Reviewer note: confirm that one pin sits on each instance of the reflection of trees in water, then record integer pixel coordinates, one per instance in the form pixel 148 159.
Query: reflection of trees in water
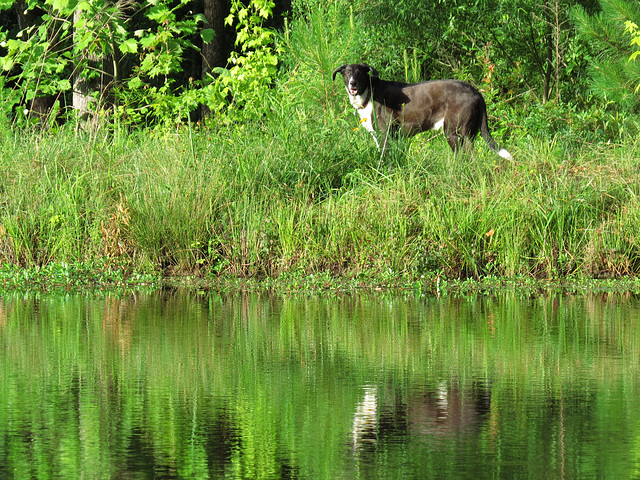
pixel 116 321
pixel 221 436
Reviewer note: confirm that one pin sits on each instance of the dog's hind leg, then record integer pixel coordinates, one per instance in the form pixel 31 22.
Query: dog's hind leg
pixel 453 139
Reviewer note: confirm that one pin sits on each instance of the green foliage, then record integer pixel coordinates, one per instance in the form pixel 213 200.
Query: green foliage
pixel 511 51
pixel 33 65
pixel 327 35
pixel 253 67
pixel 286 182
pixel 145 59
pixel 632 29
pixel 613 77
pixel 152 92
pixel 41 59
pixel 282 200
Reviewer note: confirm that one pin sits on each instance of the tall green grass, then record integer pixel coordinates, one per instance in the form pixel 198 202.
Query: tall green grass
pixel 261 201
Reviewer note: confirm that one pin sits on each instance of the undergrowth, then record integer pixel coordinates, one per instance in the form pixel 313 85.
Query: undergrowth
pixel 294 196
pixel 301 190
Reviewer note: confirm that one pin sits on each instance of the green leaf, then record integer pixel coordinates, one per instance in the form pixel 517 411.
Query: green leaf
pixel 207 35
pixel 63 6
pixel 80 24
pixel 120 30
pixel 149 41
pixel 6 4
pixel 135 82
pixel 159 13
pixel 221 71
pixel 129 46
pixel 6 63
pixel 63 85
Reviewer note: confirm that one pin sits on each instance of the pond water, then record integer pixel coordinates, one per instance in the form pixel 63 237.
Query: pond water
pixel 175 384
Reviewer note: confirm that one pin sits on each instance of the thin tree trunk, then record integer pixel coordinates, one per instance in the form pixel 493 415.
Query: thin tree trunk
pixel 556 39
pixel 546 91
pixel 82 87
pixel 40 106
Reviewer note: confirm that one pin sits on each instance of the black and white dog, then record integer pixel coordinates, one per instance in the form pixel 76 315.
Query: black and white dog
pixel 393 107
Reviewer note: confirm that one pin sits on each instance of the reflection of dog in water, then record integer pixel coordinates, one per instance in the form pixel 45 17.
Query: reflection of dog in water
pixel 365 420
pixel 449 410
pixel 441 411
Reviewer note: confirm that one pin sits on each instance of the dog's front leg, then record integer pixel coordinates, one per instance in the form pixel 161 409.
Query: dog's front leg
pixel 368 119
pixel 375 139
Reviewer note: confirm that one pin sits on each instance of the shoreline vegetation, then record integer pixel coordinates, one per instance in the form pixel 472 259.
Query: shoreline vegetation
pixel 287 205
pixel 80 279
pixel 280 188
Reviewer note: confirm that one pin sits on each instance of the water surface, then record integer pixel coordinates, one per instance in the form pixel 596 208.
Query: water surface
pixel 179 385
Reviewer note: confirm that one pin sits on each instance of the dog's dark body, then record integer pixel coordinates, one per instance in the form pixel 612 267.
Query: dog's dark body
pixel 453 105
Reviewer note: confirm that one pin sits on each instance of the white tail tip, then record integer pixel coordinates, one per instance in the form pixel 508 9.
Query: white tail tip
pixel 504 154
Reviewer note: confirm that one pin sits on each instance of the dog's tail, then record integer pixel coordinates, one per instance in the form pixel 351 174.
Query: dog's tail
pixel 486 134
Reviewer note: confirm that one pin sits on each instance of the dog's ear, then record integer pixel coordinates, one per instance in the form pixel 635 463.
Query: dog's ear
pixel 374 72
pixel 340 69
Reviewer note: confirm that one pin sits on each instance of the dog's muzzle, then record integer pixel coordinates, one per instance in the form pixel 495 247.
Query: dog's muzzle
pixel 352 87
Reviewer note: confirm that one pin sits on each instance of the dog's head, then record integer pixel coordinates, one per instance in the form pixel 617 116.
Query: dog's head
pixel 356 77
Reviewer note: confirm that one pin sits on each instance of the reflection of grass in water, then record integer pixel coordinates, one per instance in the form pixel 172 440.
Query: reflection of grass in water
pixel 206 339
pixel 287 369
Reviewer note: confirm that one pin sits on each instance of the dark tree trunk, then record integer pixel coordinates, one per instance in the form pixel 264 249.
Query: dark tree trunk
pixel 216 52
pixel 26 18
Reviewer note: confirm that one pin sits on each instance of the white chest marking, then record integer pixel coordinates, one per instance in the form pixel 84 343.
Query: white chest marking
pixel 366 112
pixel 366 117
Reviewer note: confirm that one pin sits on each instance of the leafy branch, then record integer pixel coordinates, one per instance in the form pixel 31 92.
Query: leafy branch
pixel 632 29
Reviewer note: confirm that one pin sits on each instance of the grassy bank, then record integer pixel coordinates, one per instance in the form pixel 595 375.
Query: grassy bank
pixel 297 196
pixel 288 188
